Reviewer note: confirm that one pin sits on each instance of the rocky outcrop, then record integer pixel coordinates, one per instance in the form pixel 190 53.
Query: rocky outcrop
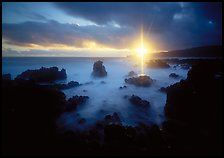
pixel 73 102
pixel 43 74
pixel 143 81
pixel 71 84
pixel 193 108
pixel 139 102
pixel 99 69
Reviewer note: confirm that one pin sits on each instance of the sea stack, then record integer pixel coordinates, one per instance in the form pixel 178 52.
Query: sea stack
pixel 99 69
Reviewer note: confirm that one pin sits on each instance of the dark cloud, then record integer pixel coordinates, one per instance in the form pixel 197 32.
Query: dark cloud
pixel 125 14
pixel 52 32
pixel 170 25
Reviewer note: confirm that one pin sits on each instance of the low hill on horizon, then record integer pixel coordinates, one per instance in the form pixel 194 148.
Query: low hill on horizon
pixel 204 51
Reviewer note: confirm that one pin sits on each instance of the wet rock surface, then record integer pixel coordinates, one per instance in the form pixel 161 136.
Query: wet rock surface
pixel 99 69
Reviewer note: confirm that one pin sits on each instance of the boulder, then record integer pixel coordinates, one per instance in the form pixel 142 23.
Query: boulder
pixel 139 102
pixel 143 81
pixel 99 69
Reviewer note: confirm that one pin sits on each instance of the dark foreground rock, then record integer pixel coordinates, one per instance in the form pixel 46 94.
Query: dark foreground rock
pixel 139 102
pixel 74 101
pixel 194 109
pixel 43 74
pixel 157 64
pixel 143 81
pixel 99 69
pixel 6 77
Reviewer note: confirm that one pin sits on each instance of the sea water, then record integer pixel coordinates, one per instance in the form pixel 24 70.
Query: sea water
pixel 104 97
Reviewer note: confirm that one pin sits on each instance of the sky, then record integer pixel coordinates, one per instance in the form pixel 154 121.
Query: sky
pixel 109 29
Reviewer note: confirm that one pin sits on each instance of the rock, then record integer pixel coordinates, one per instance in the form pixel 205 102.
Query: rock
pixel 143 81
pixel 112 119
pixel 163 89
pixel 6 77
pixel 102 82
pixel 43 74
pixel 173 75
pixel 131 74
pixel 122 87
pixel 99 69
pixel 73 102
pixel 157 64
pixel 71 84
pixel 139 102
pixel 84 90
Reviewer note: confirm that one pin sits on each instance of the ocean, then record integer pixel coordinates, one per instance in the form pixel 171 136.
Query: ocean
pixel 104 98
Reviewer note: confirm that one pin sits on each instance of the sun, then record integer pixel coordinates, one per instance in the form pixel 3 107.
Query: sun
pixel 141 51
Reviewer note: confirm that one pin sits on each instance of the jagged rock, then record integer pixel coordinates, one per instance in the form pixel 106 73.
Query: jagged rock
pixel 163 89
pixel 122 87
pixel 73 102
pixel 144 81
pixel 43 74
pixel 173 75
pixel 6 77
pixel 157 64
pixel 185 66
pixel 99 69
pixel 139 102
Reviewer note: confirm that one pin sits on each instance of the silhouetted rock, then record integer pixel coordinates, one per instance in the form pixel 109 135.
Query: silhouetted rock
pixel 74 101
pixel 139 102
pixel 144 81
pixel 112 119
pixel 43 74
pixel 99 69
pixel 71 84
pixel 6 77
pixel 157 64
pixel 102 82
pixel 194 105
pixel 122 87
pixel 173 75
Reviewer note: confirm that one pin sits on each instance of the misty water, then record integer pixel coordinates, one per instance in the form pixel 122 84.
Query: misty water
pixel 104 98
